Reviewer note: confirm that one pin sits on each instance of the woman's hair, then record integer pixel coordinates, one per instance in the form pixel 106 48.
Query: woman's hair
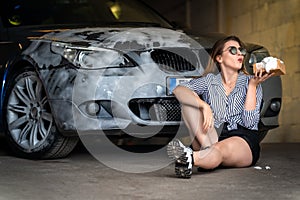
pixel 218 50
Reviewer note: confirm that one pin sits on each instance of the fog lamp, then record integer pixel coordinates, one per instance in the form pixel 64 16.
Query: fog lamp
pixel 92 108
pixel 275 106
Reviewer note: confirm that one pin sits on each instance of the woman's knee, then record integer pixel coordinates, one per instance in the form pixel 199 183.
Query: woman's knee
pixel 235 152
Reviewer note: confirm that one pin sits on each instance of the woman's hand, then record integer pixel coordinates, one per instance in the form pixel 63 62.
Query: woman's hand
pixel 260 77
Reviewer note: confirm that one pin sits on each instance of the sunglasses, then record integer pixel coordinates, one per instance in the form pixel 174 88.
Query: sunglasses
pixel 233 50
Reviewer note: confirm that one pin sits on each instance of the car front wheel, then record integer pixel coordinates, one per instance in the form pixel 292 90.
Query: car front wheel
pixel 28 121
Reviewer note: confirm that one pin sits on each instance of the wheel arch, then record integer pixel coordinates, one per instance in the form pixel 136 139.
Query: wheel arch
pixel 53 144
pixel 12 67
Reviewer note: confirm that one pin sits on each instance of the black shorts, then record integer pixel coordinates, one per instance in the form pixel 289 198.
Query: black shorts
pixel 250 136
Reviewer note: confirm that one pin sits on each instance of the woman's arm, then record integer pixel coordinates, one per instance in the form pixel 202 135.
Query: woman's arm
pixel 251 114
pixel 188 97
pixel 250 103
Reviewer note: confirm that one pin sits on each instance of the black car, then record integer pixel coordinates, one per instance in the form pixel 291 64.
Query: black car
pixel 72 67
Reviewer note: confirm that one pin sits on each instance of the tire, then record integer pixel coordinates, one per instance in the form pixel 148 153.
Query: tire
pixel 28 122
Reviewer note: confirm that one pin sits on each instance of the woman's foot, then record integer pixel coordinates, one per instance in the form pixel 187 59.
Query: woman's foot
pixel 183 157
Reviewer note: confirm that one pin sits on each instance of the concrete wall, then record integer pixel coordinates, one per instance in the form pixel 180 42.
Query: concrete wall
pixel 274 24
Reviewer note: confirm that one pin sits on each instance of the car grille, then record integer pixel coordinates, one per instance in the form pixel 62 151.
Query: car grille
pixel 171 61
pixel 156 109
pixel 167 110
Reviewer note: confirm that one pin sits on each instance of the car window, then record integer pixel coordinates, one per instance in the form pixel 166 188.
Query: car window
pixel 48 12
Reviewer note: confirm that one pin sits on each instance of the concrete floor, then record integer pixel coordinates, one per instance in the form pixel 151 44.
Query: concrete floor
pixel 81 177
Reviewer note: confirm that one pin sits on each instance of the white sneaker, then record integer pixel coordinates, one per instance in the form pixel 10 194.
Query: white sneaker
pixel 183 157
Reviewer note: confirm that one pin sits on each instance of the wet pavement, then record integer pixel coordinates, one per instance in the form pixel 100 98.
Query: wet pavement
pixel 82 177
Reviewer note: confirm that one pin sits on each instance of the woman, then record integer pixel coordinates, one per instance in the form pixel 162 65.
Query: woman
pixel 230 101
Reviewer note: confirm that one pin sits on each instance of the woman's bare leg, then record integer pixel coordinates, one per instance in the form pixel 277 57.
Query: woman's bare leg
pixel 193 119
pixel 231 152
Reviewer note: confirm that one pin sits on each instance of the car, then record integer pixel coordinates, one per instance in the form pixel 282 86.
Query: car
pixel 70 68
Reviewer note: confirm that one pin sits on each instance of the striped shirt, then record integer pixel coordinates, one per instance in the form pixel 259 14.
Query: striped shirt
pixel 231 108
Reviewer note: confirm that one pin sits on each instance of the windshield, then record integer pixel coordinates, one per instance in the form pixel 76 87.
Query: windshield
pixel 95 12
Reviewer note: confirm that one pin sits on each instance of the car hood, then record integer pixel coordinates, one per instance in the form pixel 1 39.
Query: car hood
pixel 124 38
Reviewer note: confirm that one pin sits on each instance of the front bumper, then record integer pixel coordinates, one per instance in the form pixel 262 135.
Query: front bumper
pixel 72 120
pixel 86 101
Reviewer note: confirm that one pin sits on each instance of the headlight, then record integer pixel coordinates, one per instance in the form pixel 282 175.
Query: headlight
pixel 256 57
pixel 91 57
pixel 252 59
